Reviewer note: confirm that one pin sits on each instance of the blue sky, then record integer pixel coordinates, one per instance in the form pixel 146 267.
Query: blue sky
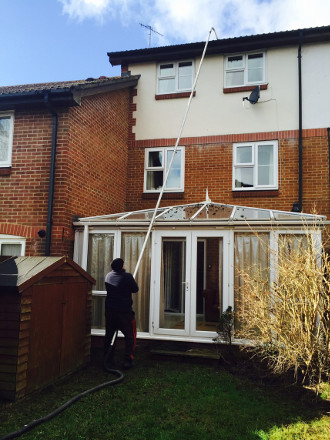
pixel 56 40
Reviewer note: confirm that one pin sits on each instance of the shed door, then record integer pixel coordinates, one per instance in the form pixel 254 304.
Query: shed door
pixel 57 332
pixel 44 355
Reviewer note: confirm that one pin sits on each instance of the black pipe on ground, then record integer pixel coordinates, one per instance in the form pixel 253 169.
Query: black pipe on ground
pixel 66 405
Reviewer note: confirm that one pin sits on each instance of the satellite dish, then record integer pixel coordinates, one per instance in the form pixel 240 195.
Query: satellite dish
pixel 254 96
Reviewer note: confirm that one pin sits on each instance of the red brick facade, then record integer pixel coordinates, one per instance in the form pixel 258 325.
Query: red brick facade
pixel 90 175
pixel 208 165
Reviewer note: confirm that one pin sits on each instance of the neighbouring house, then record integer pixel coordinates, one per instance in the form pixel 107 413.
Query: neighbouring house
pixel 63 154
pixel 251 170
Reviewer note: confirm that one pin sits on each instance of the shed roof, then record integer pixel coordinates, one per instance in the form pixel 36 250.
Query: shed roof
pixel 19 273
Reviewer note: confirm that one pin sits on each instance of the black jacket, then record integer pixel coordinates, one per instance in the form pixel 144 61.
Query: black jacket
pixel 120 286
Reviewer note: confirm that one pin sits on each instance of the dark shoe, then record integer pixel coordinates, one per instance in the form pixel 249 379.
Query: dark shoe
pixel 128 363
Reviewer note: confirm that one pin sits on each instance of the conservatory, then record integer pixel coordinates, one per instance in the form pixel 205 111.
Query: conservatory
pixel 191 264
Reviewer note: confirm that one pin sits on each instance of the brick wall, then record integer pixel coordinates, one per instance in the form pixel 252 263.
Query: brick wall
pixel 92 164
pixel 208 165
pixel 24 192
pixel 90 176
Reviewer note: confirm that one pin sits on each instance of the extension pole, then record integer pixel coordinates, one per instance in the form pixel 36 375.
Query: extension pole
pixel 174 152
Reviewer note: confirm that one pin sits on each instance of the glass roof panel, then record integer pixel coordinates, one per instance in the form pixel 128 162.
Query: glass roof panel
pixel 280 215
pixel 215 212
pixel 180 212
pixel 142 215
pixel 242 213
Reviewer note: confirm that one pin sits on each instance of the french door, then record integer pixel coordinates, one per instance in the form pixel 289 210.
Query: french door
pixel 191 282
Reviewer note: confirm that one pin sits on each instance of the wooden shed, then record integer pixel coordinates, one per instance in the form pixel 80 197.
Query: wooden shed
pixel 45 322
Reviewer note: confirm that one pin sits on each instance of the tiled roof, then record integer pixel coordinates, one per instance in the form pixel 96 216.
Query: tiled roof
pixel 224 45
pixel 39 87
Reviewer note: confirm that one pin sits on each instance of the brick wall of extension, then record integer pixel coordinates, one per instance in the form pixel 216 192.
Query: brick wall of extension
pixel 90 176
pixel 208 165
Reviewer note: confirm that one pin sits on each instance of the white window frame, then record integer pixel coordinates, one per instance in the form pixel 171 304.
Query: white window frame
pixel 175 76
pixel 164 168
pixel 13 239
pixel 7 163
pixel 244 68
pixel 254 164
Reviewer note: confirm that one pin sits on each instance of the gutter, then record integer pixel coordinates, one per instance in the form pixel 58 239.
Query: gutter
pixel 51 176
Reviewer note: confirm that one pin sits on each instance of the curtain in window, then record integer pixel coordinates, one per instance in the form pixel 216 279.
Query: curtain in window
pixel 100 255
pixel 131 246
pixel 11 250
pixel 251 255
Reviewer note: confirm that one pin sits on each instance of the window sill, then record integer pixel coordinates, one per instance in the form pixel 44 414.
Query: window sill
pixel 244 88
pixel 6 171
pixel 166 195
pixel 174 95
pixel 240 194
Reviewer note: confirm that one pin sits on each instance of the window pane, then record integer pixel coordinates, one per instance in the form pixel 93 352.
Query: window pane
pixel 185 82
pixel 166 70
pixel 131 246
pixel 154 180
pixel 174 178
pixel 100 255
pixel 265 165
pixel 166 85
pixel 235 78
pixel 244 154
pixel 255 67
pixel 265 175
pixel 255 75
pixel 265 155
pixel 177 159
pixel 155 159
pixel 4 137
pixel 11 250
pixel 98 312
pixel 185 75
pixel 235 62
pixel 243 177
pixel 255 60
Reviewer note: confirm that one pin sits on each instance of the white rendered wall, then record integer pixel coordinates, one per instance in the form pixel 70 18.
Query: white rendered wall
pixel 214 113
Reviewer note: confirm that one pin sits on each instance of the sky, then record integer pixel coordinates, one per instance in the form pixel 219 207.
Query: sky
pixel 64 40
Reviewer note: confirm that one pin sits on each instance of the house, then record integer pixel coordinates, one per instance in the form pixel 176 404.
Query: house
pixel 63 153
pixel 251 169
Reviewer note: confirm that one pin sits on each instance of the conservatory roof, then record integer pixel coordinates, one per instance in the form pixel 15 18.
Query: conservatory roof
pixel 203 212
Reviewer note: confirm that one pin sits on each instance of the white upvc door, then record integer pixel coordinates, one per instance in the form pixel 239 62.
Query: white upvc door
pixel 192 281
pixel 170 284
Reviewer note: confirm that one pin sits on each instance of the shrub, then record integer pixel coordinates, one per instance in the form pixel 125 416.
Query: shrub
pixel 288 318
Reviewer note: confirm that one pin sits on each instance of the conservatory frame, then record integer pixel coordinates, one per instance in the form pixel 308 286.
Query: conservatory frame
pixel 185 238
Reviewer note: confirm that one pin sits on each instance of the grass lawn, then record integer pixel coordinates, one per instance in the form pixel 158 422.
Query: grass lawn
pixel 170 399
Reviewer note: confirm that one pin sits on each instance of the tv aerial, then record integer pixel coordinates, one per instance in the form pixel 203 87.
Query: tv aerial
pixel 254 96
pixel 150 30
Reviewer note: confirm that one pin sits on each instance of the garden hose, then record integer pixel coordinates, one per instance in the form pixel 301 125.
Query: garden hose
pixel 57 411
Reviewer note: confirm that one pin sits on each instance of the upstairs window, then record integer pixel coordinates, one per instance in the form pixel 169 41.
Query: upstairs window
pixel 6 138
pixel 245 69
pixel 157 161
pixel 255 166
pixel 175 77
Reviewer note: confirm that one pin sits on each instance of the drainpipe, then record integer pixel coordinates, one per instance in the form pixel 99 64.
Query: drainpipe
pixel 329 149
pixel 300 197
pixel 51 175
